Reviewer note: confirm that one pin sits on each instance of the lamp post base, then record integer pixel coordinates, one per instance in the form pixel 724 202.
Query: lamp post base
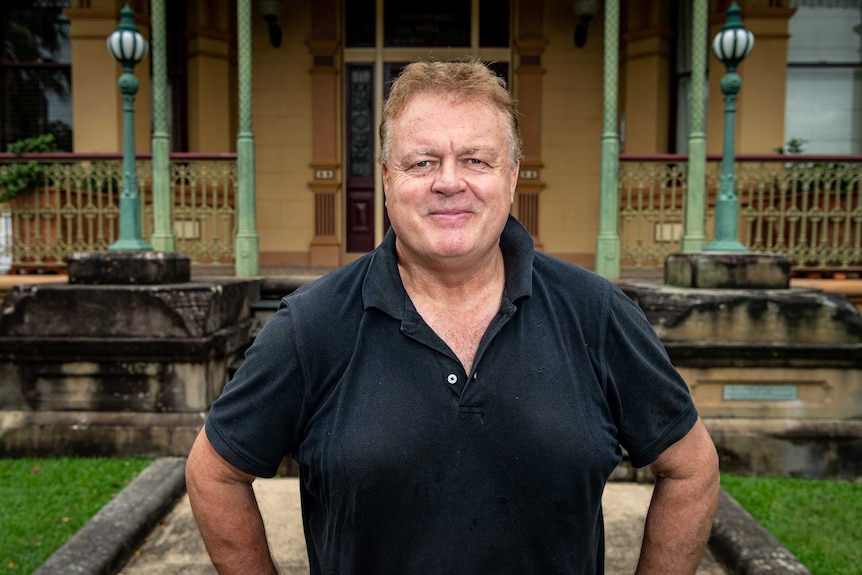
pixel 728 270
pixel 725 246
pixel 130 244
pixel 128 268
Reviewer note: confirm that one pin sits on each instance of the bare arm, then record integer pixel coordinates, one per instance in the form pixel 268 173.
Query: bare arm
pixel 226 512
pixel 682 507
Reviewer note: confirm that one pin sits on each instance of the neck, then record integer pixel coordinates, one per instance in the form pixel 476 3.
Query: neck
pixel 445 280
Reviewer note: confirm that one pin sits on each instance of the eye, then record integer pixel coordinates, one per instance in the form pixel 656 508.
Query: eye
pixel 475 162
pixel 422 164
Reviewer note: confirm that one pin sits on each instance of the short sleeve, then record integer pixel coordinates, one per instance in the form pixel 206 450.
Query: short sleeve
pixel 257 420
pixel 650 402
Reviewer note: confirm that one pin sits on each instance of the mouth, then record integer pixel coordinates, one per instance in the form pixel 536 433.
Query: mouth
pixel 450 215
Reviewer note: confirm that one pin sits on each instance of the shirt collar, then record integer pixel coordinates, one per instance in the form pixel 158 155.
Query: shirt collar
pixel 382 287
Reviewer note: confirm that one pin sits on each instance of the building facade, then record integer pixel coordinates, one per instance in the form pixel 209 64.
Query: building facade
pixel 320 70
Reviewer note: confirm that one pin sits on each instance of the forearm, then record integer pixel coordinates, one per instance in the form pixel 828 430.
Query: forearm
pixel 677 527
pixel 683 506
pixel 228 518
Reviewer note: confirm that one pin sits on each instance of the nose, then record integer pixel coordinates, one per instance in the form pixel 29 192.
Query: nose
pixel 448 180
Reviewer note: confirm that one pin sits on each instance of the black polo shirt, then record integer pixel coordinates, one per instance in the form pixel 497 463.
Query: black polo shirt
pixel 409 464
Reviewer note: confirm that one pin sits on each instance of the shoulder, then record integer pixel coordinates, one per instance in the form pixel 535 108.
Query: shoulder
pixel 337 293
pixel 582 297
pixel 569 281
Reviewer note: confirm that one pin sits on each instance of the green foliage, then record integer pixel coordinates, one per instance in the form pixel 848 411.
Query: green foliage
pixel 794 146
pixel 21 176
pixel 44 501
pixel 818 521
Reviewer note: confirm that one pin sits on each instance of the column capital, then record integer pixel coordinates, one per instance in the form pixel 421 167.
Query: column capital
pixel 531 46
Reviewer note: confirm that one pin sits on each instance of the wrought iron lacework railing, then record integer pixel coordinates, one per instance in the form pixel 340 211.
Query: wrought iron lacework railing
pixel 808 207
pixel 74 207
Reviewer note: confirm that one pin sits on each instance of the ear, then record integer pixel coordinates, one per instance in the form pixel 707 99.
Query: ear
pixel 513 183
pixel 385 180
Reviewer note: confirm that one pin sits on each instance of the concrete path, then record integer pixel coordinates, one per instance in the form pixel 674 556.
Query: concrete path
pixel 175 546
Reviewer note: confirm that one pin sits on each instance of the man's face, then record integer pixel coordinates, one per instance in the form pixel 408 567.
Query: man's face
pixel 449 180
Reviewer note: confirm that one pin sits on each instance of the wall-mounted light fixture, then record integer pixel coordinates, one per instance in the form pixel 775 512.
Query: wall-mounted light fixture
pixel 272 11
pixel 585 11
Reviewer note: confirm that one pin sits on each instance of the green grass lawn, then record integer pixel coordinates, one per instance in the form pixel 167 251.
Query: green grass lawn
pixel 820 522
pixel 44 501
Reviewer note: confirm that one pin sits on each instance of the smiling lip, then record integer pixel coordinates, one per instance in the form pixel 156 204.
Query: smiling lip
pixel 449 212
pixel 450 215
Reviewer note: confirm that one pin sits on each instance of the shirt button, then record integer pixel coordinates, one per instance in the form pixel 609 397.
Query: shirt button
pixel 452 379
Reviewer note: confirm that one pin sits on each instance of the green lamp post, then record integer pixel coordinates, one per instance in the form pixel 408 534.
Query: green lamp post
pixel 129 47
pixel 730 46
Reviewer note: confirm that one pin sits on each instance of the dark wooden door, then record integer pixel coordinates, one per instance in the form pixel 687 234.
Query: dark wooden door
pixel 360 163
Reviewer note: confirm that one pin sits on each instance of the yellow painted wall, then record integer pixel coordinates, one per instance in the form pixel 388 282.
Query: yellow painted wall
pixel 96 106
pixel 765 78
pixel 282 129
pixel 645 98
pixel 645 75
pixel 571 137
pixel 209 98
pixel 144 97
pixel 208 77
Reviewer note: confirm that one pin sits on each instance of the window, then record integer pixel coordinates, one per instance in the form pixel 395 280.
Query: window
pixel 824 77
pixel 35 72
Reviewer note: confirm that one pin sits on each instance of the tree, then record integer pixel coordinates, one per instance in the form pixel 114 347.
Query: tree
pixel 34 79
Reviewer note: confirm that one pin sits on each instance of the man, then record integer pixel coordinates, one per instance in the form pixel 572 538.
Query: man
pixel 455 401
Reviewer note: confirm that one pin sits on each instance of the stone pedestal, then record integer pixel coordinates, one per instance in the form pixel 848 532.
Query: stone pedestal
pixel 775 373
pixel 117 369
pixel 128 268
pixel 727 270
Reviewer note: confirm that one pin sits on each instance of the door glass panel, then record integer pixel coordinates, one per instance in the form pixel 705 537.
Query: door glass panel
pixel 493 24
pixel 360 158
pixel 441 24
pixel 360 112
pixel 360 16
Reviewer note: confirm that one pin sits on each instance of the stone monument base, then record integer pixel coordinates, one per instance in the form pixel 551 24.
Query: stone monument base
pixel 116 368
pixel 776 374
pixel 128 268
pixel 723 270
pixel 97 433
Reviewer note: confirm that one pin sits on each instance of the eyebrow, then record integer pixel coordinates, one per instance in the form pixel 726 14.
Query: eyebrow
pixel 409 155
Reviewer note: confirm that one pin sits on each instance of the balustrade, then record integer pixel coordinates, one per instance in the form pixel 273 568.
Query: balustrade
pixel 808 207
pixel 72 206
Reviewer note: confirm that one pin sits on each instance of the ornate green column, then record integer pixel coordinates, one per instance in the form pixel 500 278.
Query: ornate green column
pixel 246 244
pixel 608 239
pixel 694 218
pixel 163 205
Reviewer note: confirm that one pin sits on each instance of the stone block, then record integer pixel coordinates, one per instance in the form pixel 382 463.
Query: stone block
pixel 154 312
pixel 767 354
pixel 727 270
pixel 797 316
pixel 158 349
pixel 128 268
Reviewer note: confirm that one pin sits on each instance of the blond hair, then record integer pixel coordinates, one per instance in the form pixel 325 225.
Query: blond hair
pixel 460 81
